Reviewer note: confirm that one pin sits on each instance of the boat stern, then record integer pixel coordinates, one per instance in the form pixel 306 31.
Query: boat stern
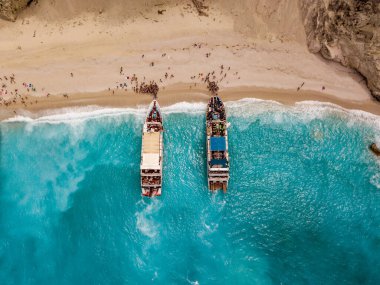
pixel 151 191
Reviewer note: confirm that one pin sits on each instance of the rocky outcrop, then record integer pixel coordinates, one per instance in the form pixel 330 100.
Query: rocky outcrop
pixel 346 31
pixel 10 8
pixel 375 149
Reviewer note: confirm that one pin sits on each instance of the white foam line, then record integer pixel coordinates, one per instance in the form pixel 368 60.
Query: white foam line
pixel 185 107
pixel 247 101
pixel 305 109
pixel 78 114
pixel 243 107
pixel 325 108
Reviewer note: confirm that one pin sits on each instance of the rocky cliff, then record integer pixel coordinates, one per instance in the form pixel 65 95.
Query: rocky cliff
pixel 10 8
pixel 346 31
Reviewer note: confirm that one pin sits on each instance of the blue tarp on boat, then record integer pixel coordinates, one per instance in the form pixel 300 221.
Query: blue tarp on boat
pixel 222 162
pixel 218 143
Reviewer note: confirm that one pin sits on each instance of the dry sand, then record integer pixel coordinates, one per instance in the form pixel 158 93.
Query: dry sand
pixel 93 39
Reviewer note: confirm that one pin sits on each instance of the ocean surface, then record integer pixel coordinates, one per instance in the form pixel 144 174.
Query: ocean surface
pixel 303 205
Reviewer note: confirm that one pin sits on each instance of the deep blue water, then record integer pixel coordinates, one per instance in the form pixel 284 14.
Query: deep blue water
pixel 303 205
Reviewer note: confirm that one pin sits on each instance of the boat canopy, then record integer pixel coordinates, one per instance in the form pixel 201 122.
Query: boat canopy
pixel 151 142
pixel 219 162
pixel 150 161
pixel 218 143
pixel 151 151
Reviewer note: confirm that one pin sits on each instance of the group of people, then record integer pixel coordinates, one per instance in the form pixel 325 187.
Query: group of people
pixel 150 88
pixel 216 110
pixel 150 171
pixel 144 87
pixel 151 180
pixel 155 118
pixel 218 155
pixel 213 87
pixel 218 129
pixel 217 105
pixel 154 115
pixel 154 128
pixel 10 94
pixel 214 77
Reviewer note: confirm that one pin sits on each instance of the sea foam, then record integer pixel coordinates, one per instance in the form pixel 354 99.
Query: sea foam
pixel 246 107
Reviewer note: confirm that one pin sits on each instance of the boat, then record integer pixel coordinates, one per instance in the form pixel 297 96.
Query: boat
pixel 151 152
pixel 218 170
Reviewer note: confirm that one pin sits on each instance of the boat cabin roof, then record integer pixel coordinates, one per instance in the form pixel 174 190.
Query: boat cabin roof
pixel 219 162
pixel 150 161
pixel 151 151
pixel 217 143
pixel 151 142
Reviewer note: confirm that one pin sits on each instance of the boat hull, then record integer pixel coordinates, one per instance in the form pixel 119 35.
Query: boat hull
pixel 218 171
pixel 152 152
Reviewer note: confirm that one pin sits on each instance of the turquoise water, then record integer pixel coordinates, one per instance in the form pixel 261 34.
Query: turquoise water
pixel 303 205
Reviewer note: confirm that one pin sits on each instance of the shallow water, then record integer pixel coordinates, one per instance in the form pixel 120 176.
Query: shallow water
pixel 302 206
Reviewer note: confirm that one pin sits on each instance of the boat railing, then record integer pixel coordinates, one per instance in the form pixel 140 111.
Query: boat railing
pixel 216 174
pixel 219 169
pixel 150 174
pixel 151 181
pixel 151 185
pixel 220 179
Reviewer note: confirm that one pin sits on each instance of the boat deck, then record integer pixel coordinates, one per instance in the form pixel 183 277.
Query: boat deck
pixel 217 145
pixel 151 153
pixel 151 142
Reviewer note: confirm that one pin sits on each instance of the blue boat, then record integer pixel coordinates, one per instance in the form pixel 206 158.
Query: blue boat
pixel 218 169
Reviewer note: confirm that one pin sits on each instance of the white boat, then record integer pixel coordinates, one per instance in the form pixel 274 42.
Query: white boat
pixel 151 152
pixel 218 169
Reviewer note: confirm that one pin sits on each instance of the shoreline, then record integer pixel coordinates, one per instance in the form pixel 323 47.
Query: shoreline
pixel 175 94
pixel 82 60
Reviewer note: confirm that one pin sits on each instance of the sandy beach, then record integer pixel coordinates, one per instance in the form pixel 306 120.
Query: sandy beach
pixel 89 57
pixel 176 94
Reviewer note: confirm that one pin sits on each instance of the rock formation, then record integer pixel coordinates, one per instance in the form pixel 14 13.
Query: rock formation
pixel 346 31
pixel 10 8
pixel 375 149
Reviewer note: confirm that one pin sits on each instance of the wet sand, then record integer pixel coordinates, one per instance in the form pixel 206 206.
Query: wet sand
pixel 179 93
